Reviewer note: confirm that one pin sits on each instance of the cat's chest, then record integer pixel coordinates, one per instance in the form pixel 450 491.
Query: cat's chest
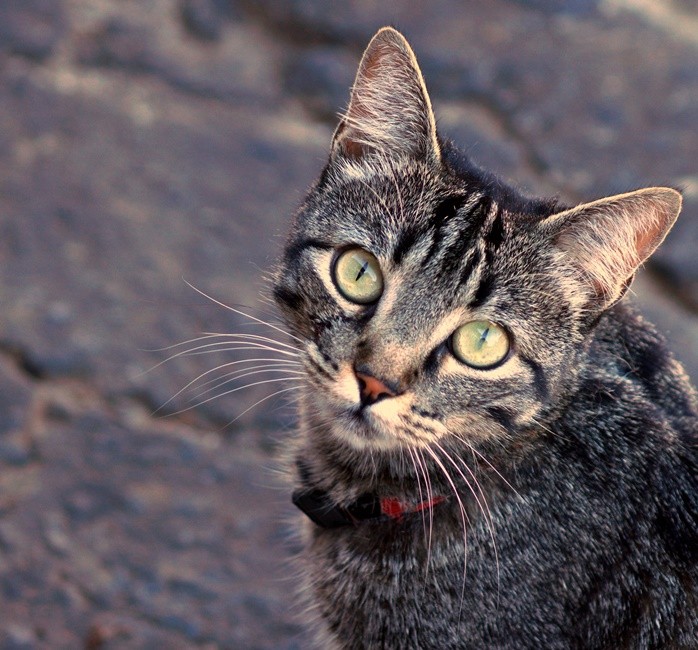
pixel 444 582
pixel 403 584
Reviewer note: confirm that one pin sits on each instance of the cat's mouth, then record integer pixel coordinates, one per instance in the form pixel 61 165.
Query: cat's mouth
pixel 383 425
pixel 363 427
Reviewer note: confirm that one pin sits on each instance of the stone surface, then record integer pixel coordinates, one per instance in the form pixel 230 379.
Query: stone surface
pixel 144 145
pixel 143 536
pixel 30 28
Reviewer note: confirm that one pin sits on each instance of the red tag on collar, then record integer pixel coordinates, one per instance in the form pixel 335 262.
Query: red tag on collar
pixel 394 508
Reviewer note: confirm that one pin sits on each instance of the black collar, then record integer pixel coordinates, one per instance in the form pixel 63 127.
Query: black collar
pixel 320 508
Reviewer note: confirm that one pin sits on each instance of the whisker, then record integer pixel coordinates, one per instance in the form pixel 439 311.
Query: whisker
pixel 171 347
pixel 542 426
pixel 418 463
pixel 483 505
pixel 241 313
pixel 233 390
pixel 464 517
pixel 217 368
pixel 251 371
pixel 266 312
pixel 257 403
pixel 229 346
pixel 430 496
pixel 486 461
pixel 205 336
pixel 272 363
pixel 223 346
pixel 255 337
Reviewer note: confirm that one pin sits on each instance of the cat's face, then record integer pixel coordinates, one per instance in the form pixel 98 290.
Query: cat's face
pixel 445 323
pixel 430 303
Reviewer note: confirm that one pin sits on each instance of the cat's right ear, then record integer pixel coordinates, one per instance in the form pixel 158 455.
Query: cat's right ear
pixel 389 112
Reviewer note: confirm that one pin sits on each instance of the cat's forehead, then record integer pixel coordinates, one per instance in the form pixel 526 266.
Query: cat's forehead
pixel 382 181
pixel 387 205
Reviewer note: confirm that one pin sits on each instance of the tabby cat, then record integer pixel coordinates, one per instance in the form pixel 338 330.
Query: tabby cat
pixel 494 450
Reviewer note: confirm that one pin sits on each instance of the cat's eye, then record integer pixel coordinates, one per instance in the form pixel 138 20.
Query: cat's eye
pixel 480 344
pixel 358 276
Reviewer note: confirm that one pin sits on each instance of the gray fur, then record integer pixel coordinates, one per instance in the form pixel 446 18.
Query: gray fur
pixel 571 469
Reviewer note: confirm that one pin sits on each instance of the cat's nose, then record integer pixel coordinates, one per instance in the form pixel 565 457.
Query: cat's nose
pixel 372 389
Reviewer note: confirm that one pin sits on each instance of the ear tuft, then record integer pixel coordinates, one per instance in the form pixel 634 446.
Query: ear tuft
pixel 610 238
pixel 389 111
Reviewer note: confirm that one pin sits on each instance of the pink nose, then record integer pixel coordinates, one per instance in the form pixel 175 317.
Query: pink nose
pixel 372 389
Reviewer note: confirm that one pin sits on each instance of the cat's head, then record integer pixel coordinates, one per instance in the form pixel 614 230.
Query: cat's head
pixel 432 300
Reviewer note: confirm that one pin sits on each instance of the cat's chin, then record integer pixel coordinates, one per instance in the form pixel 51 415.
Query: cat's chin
pixel 362 430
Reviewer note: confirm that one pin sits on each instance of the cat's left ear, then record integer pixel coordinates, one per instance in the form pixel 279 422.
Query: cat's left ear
pixel 389 112
pixel 608 239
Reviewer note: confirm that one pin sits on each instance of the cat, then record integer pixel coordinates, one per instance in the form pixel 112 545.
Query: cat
pixel 493 450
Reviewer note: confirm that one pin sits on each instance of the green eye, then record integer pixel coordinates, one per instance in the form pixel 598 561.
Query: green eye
pixel 480 344
pixel 358 276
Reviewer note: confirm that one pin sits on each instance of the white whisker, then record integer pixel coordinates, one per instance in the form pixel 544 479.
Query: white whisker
pixel 257 403
pixel 241 313
pixel 249 372
pixel 475 451
pixel 482 504
pixel 233 390
pixel 255 337
pixel 464 518
pixel 229 346
pixel 271 363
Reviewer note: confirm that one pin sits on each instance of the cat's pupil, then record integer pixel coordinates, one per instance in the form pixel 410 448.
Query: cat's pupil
pixel 362 270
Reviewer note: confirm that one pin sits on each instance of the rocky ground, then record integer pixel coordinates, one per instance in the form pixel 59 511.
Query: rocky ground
pixel 145 143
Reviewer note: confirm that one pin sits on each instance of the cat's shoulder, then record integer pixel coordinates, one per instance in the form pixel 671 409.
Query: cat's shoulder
pixel 627 350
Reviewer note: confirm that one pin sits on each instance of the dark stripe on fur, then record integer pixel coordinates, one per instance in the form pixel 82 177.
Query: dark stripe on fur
pixel 539 379
pixel 320 370
pixel 484 289
pixel 470 223
pixel 407 239
pixel 501 416
pixel 328 360
pixel 286 297
pixel 469 267
pixel 431 364
pixel 425 414
pixel 453 257
pixel 495 236
pixel 446 210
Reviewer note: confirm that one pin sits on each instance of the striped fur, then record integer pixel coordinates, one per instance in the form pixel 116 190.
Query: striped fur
pixel 546 458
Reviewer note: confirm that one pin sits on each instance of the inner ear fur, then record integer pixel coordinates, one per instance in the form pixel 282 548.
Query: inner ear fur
pixel 389 111
pixel 607 240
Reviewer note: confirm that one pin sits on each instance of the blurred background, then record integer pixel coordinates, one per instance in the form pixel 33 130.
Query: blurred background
pixel 148 142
